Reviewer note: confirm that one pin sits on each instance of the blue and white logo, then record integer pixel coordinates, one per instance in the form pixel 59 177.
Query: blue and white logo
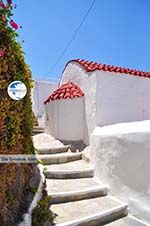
pixel 17 90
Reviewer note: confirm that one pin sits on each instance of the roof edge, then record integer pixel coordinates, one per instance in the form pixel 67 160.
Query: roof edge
pixel 90 66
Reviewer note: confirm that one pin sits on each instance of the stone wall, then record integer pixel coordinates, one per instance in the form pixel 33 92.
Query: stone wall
pixel 18 182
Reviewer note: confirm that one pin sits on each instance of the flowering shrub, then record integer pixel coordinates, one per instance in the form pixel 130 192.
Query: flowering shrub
pixel 16 115
pixel 1 53
pixel 15 119
pixel 6 13
pixel 13 24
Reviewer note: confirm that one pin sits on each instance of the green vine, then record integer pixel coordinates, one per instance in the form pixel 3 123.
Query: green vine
pixel 15 116
pixel 42 214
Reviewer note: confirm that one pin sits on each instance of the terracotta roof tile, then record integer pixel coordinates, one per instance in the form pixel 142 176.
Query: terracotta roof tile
pixel 91 66
pixel 67 90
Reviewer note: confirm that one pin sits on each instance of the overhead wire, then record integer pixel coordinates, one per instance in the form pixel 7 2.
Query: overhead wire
pixel 73 37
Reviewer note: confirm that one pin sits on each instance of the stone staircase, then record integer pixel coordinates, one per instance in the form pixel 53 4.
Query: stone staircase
pixel 37 130
pixel 77 196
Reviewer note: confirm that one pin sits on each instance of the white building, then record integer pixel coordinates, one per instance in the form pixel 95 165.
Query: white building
pixel 117 103
pixel 112 94
pixel 40 91
pixel 65 115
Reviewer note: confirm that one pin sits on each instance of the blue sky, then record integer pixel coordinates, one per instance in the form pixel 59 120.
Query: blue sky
pixel 115 32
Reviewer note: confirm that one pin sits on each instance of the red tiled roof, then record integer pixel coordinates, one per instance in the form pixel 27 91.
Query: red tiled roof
pixel 90 66
pixel 67 90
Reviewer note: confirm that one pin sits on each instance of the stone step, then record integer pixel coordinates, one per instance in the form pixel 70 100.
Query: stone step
pixel 75 165
pixel 68 174
pixel 59 158
pixel 74 189
pixel 57 186
pixel 53 150
pixel 38 128
pixel 34 133
pixel 89 212
pixel 127 221
pixel 78 195
pixel 76 169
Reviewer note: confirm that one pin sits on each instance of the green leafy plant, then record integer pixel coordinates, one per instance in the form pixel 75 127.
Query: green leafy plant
pixel 16 117
pixel 42 214
pixel 34 189
pixel 9 197
pixel 40 161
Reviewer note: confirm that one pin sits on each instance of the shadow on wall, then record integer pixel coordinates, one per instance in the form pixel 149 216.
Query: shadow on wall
pixel 85 127
pixel 120 155
pixel 133 161
pixel 75 145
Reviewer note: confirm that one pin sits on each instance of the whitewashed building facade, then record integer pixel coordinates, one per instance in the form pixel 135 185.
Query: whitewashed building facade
pixel 117 112
pixel 40 91
pixel 65 115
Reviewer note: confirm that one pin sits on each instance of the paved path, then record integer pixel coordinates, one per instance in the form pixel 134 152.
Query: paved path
pixel 77 196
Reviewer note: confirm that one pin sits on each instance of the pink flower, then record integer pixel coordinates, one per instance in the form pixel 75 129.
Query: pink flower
pixel 2 5
pixel 2 53
pixel 14 25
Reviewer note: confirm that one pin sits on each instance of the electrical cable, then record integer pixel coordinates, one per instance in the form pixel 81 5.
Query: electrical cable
pixel 73 37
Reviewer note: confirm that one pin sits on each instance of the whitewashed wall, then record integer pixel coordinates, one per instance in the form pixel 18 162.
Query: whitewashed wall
pixel 119 152
pixel 40 92
pixel 87 83
pixel 121 98
pixel 65 119
pixel 110 97
pixel 121 157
